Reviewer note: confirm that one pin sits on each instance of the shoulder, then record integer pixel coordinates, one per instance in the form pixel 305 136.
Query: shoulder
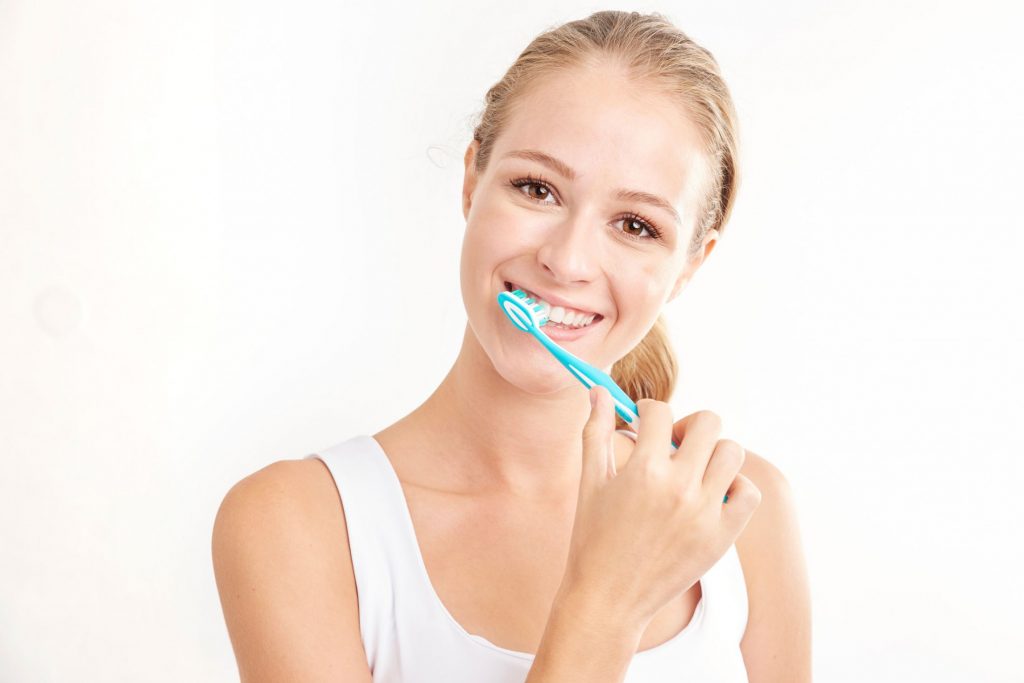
pixel 282 561
pixel 773 529
pixel 285 519
pixel 775 519
pixel 277 499
pixel 777 643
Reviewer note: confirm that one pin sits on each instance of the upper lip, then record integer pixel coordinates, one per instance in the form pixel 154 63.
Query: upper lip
pixel 551 298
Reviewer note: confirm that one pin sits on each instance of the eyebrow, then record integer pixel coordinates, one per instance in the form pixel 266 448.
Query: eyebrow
pixel 564 170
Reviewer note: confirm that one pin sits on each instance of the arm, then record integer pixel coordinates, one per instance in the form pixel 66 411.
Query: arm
pixel 580 645
pixel 284 573
pixel 776 646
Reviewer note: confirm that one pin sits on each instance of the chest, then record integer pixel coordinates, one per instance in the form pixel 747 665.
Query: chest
pixel 497 571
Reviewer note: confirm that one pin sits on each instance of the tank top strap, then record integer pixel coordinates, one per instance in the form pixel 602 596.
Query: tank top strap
pixel 383 547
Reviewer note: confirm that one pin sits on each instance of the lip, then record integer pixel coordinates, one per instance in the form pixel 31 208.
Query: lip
pixel 554 300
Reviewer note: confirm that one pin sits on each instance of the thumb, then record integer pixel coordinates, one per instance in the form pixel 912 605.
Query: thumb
pixel 598 452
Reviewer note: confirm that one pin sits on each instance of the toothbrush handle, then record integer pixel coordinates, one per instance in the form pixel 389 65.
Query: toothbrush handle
pixel 589 376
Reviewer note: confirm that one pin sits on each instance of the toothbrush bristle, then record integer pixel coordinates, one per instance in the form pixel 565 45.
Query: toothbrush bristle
pixel 524 296
pixel 539 317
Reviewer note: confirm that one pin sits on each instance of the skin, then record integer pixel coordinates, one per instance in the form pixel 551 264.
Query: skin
pixel 491 483
pixel 503 384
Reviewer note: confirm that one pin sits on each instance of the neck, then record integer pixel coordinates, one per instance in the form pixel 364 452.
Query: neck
pixel 498 437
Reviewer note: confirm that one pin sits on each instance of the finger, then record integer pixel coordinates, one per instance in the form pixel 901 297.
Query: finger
pixel 654 437
pixel 597 439
pixel 696 435
pixel 744 497
pixel 725 463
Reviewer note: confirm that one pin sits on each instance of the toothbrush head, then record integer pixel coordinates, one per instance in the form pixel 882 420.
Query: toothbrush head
pixel 522 310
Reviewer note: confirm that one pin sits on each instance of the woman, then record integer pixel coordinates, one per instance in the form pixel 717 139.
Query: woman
pixel 504 530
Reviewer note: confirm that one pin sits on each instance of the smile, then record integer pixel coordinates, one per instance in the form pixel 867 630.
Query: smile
pixel 559 317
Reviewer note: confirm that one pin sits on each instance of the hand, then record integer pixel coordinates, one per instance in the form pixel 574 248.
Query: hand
pixel 646 534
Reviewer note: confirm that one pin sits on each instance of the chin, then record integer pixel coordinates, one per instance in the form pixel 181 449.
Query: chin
pixel 537 382
pixel 534 372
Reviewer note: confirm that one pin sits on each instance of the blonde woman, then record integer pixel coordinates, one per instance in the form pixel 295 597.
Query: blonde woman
pixel 505 530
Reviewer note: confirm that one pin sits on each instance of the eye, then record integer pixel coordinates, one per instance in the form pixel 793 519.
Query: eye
pixel 530 181
pixel 644 223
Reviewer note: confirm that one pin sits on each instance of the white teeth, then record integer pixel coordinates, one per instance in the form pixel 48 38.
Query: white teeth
pixel 578 319
pixel 559 314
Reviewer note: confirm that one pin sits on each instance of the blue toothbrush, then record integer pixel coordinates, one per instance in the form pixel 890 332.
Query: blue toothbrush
pixel 529 317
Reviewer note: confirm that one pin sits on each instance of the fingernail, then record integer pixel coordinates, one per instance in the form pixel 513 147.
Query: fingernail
pixel 593 398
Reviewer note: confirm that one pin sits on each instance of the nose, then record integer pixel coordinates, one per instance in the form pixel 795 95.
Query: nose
pixel 570 251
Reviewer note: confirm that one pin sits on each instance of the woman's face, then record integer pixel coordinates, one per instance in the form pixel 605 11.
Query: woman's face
pixel 562 230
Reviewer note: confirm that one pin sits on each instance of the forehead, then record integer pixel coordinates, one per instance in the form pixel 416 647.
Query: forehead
pixel 612 132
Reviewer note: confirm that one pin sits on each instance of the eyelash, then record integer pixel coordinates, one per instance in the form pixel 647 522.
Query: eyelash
pixel 646 223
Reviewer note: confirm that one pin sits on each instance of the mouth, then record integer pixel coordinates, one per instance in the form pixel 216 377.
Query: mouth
pixel 571 324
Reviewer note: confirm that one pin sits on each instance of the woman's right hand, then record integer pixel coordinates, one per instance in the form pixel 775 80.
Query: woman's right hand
pixel 646 534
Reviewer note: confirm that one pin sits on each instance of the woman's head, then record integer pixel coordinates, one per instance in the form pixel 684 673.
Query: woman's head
pixel 602 171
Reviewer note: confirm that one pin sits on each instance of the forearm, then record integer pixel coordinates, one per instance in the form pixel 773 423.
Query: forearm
pixel 581 645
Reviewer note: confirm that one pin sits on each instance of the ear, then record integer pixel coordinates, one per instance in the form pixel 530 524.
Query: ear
pixel 469 178
pixel 710 240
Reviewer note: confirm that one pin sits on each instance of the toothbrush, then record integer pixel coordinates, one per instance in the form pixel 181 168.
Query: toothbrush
pixel 529 317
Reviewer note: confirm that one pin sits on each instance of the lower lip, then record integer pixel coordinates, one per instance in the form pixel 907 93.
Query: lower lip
pixel 568 333
pixel 558 333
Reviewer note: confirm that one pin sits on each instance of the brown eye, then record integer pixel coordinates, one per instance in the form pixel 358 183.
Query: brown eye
pixel 536 189
pixel 635 222
pixel 542 189
pixel 632 223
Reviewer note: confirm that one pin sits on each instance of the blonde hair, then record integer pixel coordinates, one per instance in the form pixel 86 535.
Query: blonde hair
pixel 656 52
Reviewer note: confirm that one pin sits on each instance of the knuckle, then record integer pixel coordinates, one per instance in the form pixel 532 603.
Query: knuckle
pixel 751 500
pixel 680 493
pixel 756 495
pixel 593 434
pixel 676 498
pixel 650 474
pixel 709 418
pixel 732 450
pixel 650 470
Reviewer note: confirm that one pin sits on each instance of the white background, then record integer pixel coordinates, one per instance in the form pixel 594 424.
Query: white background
pixel 213 216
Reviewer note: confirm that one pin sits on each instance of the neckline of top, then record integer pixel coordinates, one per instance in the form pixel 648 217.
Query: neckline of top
pixel 424 578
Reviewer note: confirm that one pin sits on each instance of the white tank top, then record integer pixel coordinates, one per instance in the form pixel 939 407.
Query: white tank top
pixel 409 635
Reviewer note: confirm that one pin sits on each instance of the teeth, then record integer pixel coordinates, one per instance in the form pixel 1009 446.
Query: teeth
pixel 559 314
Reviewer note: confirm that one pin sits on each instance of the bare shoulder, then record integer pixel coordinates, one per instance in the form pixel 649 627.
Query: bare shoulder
pixel 777 643
pixel 283 570
pixel 285 486
pixel 274 506
pixel 775 518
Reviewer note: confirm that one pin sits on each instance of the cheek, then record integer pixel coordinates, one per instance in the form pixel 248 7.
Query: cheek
pixel 493 240
pixel 661 278
pixel 646 288
pixel 484 253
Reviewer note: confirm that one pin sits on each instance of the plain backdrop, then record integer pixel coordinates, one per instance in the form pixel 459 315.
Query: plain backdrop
pixel 213 215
